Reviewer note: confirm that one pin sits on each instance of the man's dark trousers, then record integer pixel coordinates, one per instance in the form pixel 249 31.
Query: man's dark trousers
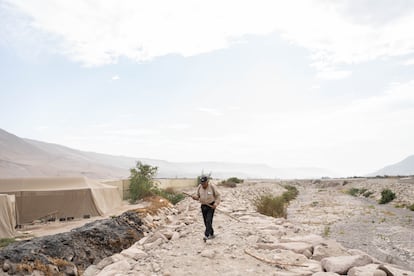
pixel 208 214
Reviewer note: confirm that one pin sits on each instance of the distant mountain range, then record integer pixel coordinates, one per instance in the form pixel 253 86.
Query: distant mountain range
pixel 404 167
pixel 20 157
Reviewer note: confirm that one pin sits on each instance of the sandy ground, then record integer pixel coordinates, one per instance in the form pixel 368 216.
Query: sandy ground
pixel 52 228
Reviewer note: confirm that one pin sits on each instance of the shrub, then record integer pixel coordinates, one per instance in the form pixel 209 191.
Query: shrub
pixel 170 194
pixel 353 191
pixel 271 206
pixel 386 196
pixel 326 231
pixel 367 193
pixel 141 181
pixel 6 241
pixel 231 182
pixel 235 180
pixel 291 193
pixel 275 206
pixel 228 184
pixel 411 207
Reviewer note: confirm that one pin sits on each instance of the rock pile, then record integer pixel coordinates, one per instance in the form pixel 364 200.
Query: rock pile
pixel 380 230
pixel 71 252
pixel 247 243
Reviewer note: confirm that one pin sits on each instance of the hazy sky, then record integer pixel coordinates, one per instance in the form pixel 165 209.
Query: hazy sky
pixel 326 84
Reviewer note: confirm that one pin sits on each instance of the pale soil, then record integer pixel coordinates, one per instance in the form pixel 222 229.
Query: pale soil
pixel 51 228
pixel 381 230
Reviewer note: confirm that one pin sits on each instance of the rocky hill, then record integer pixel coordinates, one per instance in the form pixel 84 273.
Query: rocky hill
pixel 404 167
pixel 21 157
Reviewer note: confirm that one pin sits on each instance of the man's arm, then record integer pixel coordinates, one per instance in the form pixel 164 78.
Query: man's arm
pixel 217 196
pixel 197 196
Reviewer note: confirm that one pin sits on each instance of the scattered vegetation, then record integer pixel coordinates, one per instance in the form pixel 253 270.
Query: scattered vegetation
pixel 275 206
pixel 411 207
pixel 367 194
pixel 353 191
pixel 235 180
pixel 271 206
pixel 170 194
pixel 359 192
pixel 142 185
pixel 326 231
pixel 386 196
pixel 290 194
pixel 231 182
pixel 6 241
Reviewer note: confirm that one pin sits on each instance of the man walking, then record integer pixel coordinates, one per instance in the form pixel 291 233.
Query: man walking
pixel 209 198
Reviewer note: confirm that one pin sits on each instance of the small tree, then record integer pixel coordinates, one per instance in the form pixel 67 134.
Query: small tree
pixel 235 180
pixel 141 181
pixel 386 196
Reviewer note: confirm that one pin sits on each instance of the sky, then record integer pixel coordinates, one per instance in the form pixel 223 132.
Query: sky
pixel 326 84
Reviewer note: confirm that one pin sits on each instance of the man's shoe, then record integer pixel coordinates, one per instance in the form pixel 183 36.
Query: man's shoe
pixel 211 237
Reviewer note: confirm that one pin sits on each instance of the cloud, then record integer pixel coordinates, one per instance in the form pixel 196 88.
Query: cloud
pixel 115 78
pixel 408 62
pixel 210 111
pixel 233 108
pixel 333 75
pixel 99 32
pixel 179 126
pixel 399 98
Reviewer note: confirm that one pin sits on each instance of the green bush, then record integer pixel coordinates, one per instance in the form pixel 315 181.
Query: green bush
pixel 353 191
pixel 231 182
pixel 367 193
pixel 6 241
pixel 225 183
pixel 411 207
pixel 275 206
pixel 235 180
pixel 141 181
pixel 326 231
pixel 170 194
pixel 291 193
pixel 271 206
pixel 386 196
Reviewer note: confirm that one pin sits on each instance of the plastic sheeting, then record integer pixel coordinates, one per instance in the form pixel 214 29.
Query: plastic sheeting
pixel 7 216
pixel 59 197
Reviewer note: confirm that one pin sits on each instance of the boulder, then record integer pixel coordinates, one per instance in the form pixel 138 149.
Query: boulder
pixel 342 264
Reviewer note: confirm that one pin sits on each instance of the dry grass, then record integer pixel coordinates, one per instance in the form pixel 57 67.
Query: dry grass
pixel 154 204
pixel 59 262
